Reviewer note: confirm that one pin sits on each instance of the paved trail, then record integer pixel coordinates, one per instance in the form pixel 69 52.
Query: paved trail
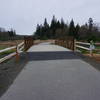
pixel 55 73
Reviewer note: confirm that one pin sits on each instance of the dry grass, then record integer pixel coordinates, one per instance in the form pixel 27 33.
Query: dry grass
pixel 95 56
pixel 10 43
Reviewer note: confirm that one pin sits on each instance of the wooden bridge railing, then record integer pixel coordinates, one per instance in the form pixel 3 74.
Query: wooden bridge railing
pixel 68 42
pixel 16 51
pixel 72 44
pixel 19 48
pixel 86 46
pixel 28 40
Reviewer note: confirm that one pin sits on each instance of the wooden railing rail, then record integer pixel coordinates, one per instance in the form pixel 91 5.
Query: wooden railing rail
pixel 72 44
pixel 67 42
pixel 7 49
pixel 81 45
pixel 21 46
pixel 7 57
pixel 18 49
pixel 85 48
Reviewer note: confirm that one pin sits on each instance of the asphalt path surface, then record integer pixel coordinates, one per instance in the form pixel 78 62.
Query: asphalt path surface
pixel 55 73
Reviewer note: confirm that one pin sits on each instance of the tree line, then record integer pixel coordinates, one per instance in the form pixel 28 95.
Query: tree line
pixel 6 35
pixel 57 29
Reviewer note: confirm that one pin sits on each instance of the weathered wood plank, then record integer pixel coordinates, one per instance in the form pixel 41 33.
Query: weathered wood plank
pixel 7 49
pixel 83 43
pixel 20 47
pixel 82 47
pixel 21 44
pixel 7 57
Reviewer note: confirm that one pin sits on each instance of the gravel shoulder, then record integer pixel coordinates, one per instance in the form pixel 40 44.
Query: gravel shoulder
pixel 95 63
pixel 9 71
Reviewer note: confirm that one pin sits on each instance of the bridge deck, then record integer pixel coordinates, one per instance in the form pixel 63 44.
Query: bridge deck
pixel 46 47
pixel 55 73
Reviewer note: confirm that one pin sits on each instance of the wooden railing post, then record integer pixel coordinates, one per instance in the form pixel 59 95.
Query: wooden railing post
pixel 74 44
pixel 17 53
pixel 91 53
pixel 28 41
pixel 17 50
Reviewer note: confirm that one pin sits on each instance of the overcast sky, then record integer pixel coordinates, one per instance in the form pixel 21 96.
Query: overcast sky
pixel 23 15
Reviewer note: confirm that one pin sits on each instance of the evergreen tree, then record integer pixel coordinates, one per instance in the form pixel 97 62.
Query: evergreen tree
pixel 58 29
pixel 53 26
pixel 58 24
pixel 62 23
pixel 37 31
pixel 90 24
pixel 72 28
pixel 53 22
pixel 12 34
pixel 45 29
pixel 90 35
pixel 77 28
pixel 46 25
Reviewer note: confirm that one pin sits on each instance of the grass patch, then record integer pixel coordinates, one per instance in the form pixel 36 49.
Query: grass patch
pixel 96 51
pixel 97 47
pixel 3 47
pixel 83 51
pixel 7 53
pixel 88 52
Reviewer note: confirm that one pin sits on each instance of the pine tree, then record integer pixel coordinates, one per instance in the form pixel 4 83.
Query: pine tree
pixel 46 25
pixel 77 28
pixel 62 23
pixel 12 34
pixel 53 26
pixel 90 30
pixel 38 31
pixel 58 25
pixel 72 28
pixel 45 29
pixel 90 21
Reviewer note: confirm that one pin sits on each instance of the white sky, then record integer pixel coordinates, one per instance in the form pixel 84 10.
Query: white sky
pixel 24 15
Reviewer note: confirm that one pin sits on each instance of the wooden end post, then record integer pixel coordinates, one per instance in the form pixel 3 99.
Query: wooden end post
pixel 17 54
pixel 91 53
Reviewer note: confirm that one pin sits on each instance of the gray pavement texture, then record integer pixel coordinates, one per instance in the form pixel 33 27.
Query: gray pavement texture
pixel 55 73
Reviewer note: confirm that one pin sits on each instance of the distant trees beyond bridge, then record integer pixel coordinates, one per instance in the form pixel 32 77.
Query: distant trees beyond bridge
pixel 88 31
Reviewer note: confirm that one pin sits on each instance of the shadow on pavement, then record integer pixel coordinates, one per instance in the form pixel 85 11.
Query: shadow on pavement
pixel 61 55
pixel 57 55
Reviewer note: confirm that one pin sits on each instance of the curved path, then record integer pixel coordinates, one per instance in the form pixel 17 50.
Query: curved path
pixel 55 73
